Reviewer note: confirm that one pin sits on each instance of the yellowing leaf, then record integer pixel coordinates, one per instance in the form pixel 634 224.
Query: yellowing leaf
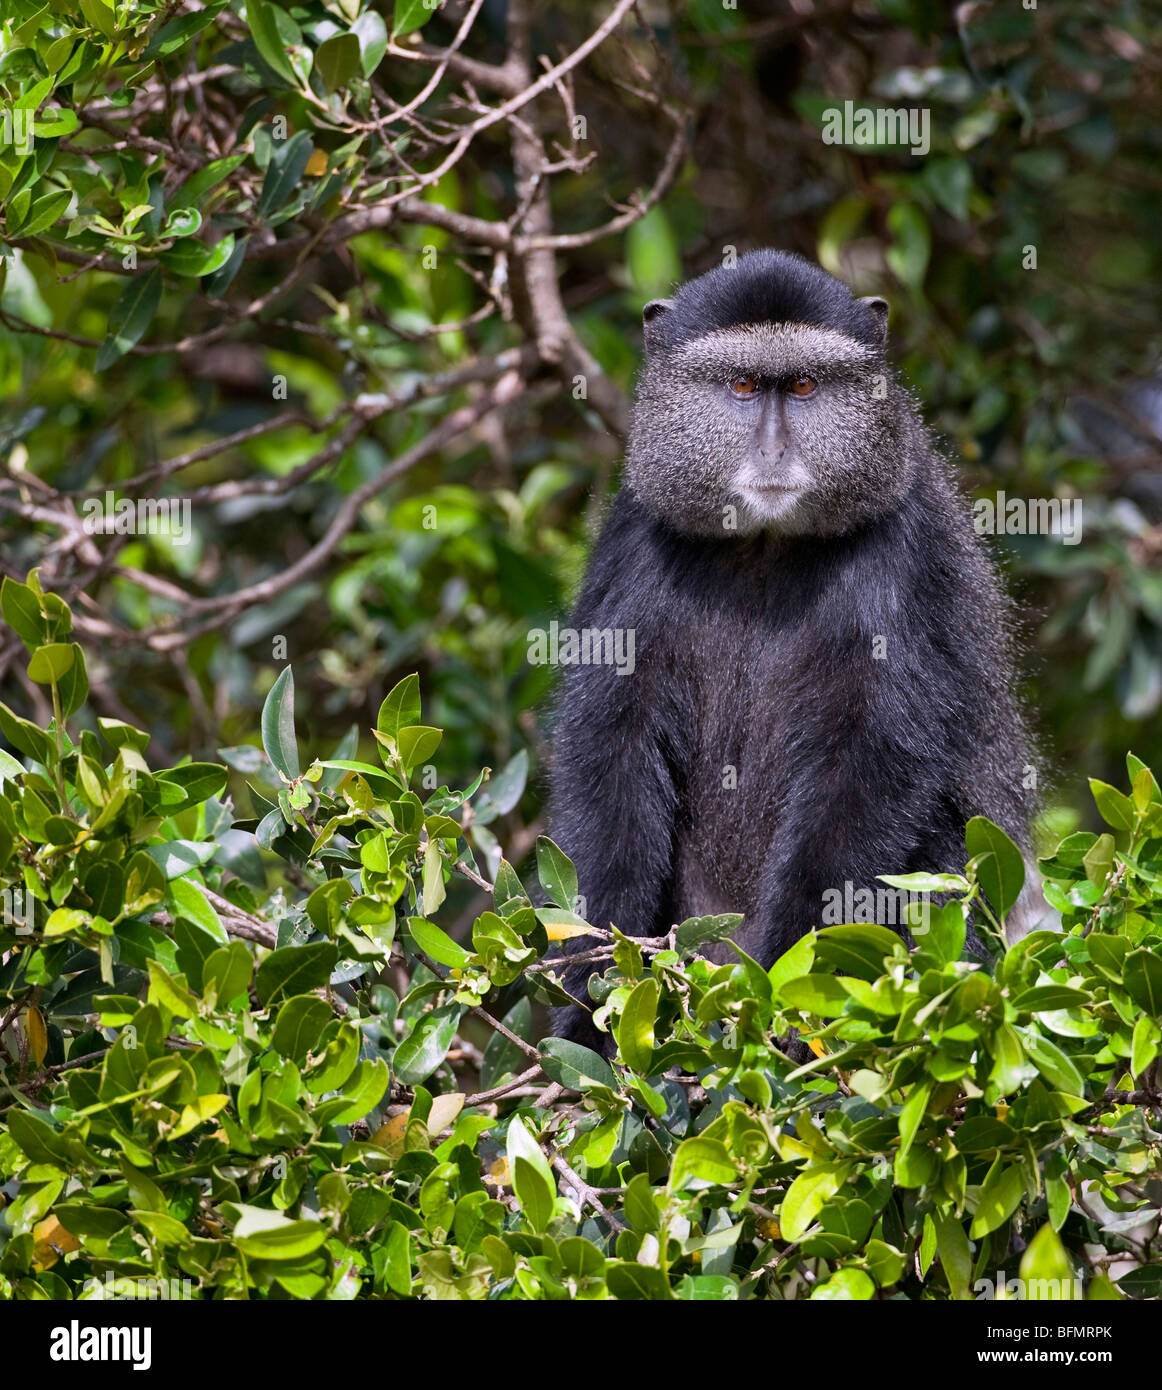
pixel 169 993
pixel 444 1111
pixel 317 164
pixel 50 1242
pixel 561 932
pixel 201 1110
pixel 37 1035
pixel 392 1131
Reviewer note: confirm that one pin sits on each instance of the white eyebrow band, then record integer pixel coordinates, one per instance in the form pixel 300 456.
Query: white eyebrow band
pixel 774 350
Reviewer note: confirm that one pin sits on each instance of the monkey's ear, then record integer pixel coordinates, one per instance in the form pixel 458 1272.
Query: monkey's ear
pixel 652 314
pixel 879 308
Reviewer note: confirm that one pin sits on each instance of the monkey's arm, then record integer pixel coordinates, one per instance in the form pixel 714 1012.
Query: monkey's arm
pixel 614 792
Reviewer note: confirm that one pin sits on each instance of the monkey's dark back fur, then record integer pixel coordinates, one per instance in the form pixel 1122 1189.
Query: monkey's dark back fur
pixel 758 654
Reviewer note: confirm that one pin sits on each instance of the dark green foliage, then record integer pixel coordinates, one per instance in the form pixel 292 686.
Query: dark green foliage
pixel 270 1094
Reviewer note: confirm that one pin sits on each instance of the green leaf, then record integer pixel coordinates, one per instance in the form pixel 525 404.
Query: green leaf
pixel 1143 980
pixel 635 1028
pixel 557 874
pixel 999 1198
pixel 295 969
pixel 189 901
pixel 1099 860
pixel 858 949
pixel 338 60
pixel 278 726
pixel 1010 1070
pixel 846 1284
pixel 284 173
pixel 521 1144
pixel 43 213
pixel 955 1254
pixel 793 963
pixel 264 20
pixel 1003 875
pixel 362 1092
pixel 22 612
pixel 434 891
pixel 912 1112
pixel 417 743
pixel 1115 808
pixel 411 14
pixel 575 1066
pixel 170 993
pixel 700 931
pixel 130 317
pixel 1054 1065
pixel 182 787
pixel 101 16
pixel 911 247
pixel 950 182
pixel 48 664
pixel 501 1056
pixel 177 857
pixel 207 177
pixel 641 1211
pixel 436 943
pixel 371 32
pixel 1147 1037
pixel 426 1046
pixel 74 684
pixel 269 1235
pixel 228 971
pixel 195 259
pixel 652 255
pixel 823 995
pixel 300 1021
pixel 178 32
pixel 631 1282
pixel 1042 998
pixel 182 222
pixel 325 905
pixel 703 1161
pixel 807 1196
pixel 1046 1268
pixel 705 1288
pixel 532 1178
pixel 400 708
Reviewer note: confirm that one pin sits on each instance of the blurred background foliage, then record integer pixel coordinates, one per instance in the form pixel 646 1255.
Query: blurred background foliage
pixel 1046 133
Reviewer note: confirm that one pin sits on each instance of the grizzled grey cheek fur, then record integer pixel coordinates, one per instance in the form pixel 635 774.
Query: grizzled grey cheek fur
pixel 848 450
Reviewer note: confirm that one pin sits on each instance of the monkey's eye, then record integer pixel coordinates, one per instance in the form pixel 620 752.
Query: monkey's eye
pixel 803 386
pixel 743 385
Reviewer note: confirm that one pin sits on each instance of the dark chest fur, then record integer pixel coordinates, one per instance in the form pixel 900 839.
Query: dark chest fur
pixel 763 664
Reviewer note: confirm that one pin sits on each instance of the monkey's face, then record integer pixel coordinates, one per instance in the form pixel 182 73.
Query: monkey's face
pixel 787 428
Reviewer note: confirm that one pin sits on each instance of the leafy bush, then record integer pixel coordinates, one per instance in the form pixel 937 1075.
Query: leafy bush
pixel 302 1091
